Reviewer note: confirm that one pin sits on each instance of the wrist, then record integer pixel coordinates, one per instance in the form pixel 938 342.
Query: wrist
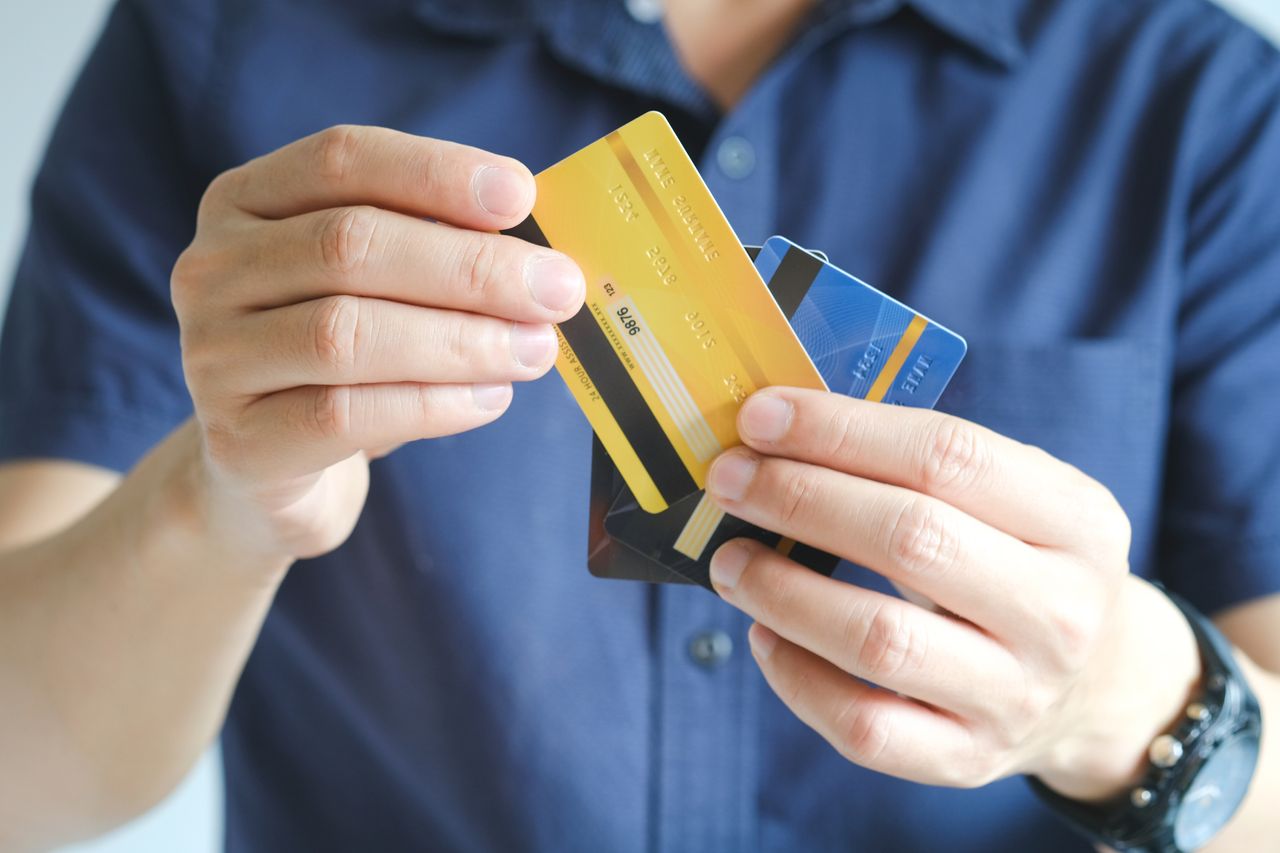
pixel 187 520
pixel 1146 674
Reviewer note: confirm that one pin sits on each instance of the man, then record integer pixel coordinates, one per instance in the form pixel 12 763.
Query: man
pixel 1084 188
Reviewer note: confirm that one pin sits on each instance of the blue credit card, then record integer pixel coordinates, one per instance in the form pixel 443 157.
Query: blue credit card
pixel 864 343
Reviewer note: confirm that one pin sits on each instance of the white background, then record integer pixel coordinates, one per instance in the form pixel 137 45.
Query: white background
pixel 41 45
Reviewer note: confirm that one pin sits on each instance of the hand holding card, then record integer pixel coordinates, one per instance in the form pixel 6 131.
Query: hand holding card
pixel 679 328
pixel 865 344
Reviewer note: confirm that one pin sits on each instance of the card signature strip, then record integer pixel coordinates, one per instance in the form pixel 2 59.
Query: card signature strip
pixel 697 531
pixel 671 391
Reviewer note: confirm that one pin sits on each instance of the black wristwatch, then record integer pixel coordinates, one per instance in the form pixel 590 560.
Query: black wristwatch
pixel 1197 774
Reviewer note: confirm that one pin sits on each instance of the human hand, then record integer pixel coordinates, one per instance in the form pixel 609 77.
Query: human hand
pixel 340 298
pixel 1043 655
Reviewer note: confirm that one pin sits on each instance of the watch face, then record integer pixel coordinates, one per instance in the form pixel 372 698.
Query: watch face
pixel 1215 793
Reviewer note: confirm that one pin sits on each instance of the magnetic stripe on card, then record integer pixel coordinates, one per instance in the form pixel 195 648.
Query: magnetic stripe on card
pixel 616 388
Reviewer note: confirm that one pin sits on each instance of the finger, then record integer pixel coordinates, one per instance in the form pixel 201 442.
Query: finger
pixel 304 430
pixel 968 567
pixel 350 165
pixel 365 251
pixel 349 340
pixel 885 640
pixel 1015 487
pixel 870 727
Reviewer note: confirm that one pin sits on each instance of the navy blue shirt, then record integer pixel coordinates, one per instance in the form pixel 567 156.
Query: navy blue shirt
pixel 1087 189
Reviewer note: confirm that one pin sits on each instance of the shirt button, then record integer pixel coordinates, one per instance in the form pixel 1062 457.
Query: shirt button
pixel 645 11
pixel 736 157
pixel 711 648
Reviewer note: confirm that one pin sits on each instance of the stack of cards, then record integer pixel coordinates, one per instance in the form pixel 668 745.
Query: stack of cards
pixel 680 327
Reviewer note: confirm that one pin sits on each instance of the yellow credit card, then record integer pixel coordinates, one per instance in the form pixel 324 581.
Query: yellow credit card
pixel 678 327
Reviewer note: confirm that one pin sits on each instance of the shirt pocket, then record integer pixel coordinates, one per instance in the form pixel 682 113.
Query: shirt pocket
pixel 1099 404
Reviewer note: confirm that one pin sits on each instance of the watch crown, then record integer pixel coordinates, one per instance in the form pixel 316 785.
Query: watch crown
pixel 1197 711
pixel 1141 797
pixel 1165 751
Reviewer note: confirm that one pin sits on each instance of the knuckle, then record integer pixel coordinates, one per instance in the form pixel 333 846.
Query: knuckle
pixel 796 494
pixel 457 339
pixel 888 644
pixel 794 689
pixel 1122 534
pixel 336 150
pixel 1024 714
pixel 413 402
pixel 346 238
pixel 921 541
pixel 225 187
pixel 842 437
pixel 424 404
pixel 773 591
pixel 184 280
pixel 335 333
pixel 864 731
pixel 1074 628
pixel 1108 520
pixel 957 458
pixel 201 273
pixel 477 267
pixel 329 415
pixel 200 362
pixel 433 162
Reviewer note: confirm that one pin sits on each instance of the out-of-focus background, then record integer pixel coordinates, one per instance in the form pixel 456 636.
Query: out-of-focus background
pixel 41 47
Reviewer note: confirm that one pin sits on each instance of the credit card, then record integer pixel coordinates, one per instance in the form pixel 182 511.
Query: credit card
pixel 626 543
pixel 865 343
pixel 678 327
pixel 606 556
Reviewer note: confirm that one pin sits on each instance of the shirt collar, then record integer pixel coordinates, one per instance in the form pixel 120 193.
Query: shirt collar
pixel 992 27
pixel 602 38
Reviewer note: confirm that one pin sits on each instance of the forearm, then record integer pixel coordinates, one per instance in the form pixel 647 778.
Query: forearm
pixel 120 641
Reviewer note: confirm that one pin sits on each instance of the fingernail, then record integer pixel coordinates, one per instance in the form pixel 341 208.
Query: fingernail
pixel 731 474
pixel 532 345
pixel 491 397
pixel 727 565
pixel 502 192
pixel 762 641
pixel 765 417
pixel 554 281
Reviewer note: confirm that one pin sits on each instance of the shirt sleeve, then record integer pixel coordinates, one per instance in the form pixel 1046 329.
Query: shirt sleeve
pixel 1220 531
pixel 90 367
